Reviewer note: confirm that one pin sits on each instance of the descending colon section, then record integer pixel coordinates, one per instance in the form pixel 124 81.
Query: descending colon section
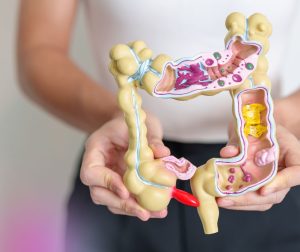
pixel 255 165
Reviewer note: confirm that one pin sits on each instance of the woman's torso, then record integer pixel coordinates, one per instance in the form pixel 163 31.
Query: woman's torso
pixel 180 29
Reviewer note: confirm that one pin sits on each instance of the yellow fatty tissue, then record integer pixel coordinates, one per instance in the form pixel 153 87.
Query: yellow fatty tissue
pixel 251 114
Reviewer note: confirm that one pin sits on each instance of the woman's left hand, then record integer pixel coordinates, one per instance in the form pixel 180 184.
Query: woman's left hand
pixel 273 193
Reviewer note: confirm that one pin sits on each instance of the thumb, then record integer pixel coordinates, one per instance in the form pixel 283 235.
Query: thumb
pixel 232 147
pixel 158 147
pixel 154 135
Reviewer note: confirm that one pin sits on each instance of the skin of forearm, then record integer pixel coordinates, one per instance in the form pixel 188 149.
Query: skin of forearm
pixel 50 78
pixel 287 112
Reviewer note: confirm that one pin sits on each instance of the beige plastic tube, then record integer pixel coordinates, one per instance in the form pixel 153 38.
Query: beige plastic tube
pixel 245 77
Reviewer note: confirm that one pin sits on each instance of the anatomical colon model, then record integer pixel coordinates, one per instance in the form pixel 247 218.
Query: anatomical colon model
pixel 241 69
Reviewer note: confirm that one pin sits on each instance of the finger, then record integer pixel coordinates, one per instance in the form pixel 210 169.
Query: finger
pixel 154 135
pixel 102 196
pixel 232 135
pixel 158 215
pixel 94 173
pixel 232 147
pixel 250 208
pixel 289 148
pixel 286 178
pixel 158 148
pixel 143 217
pixel 229 151
pixel 253 198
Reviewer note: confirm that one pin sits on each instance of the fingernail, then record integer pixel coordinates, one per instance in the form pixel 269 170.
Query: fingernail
pixel 225 202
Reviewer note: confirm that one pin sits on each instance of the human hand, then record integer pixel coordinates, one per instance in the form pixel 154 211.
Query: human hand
pixel 286 113
pixel 103 166
pixel 273 193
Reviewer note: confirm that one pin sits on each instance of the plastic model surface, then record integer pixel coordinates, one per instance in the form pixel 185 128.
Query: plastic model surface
pixel 240 69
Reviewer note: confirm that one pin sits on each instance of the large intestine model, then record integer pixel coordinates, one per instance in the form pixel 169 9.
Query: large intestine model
pixel 242 70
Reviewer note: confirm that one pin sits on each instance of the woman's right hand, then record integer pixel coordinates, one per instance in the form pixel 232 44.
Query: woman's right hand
pixel 103 166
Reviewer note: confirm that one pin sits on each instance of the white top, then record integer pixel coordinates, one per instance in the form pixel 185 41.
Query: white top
pixel 181 29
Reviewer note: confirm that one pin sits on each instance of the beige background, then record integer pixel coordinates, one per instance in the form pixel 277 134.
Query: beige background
pixel 38 153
